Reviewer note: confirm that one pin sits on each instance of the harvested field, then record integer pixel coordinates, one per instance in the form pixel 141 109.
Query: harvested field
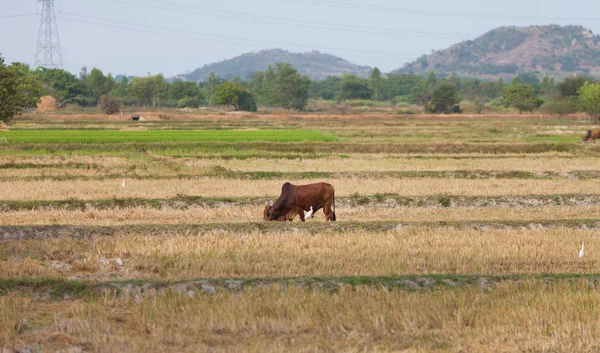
pixel 454 234
pixel 219 187
pixel 296 319
pixel 288 253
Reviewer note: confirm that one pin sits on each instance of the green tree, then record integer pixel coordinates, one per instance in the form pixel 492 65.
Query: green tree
pixel 29 86
pixel 432 82
pixel 404 88
pixel 97 84
pixel 60 84
pixel 374 82
pixel 589 94
pixel 528 78
pixel 246 101
pixel 122 89
pixel 187 94
pixel 444 98
pixel 352 87
pixel 521 97
pixel 569 87
pixel 213 82
pixel 548 87
pixel 181 89
pixel 231 93
pixel 288 88
pixel 149 90
pixel 492 90
pixel 326 89
pixel 18 90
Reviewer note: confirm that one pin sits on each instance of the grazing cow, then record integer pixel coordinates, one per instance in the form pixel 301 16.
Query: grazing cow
pixel 287 217
pixel 592 135
pixel 295 199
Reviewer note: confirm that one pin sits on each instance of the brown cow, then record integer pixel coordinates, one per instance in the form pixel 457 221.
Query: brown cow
pixel 295 199
pixel 592 135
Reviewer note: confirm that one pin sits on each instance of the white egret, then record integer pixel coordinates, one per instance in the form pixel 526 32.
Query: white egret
pixel 309 213
pixel 581 251
pixel 123 184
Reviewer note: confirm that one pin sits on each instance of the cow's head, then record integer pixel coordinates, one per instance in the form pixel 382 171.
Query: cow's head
pixel 587 136
pixel 267 212
pixel 271 214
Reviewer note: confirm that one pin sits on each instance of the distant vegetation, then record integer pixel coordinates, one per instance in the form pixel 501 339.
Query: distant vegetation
pixel 283 86
pixel 507 80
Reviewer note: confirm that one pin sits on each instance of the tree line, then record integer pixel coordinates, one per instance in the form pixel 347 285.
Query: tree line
pixel 282 86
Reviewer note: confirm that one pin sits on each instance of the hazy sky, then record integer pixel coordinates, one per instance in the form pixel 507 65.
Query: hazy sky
pixel 171 37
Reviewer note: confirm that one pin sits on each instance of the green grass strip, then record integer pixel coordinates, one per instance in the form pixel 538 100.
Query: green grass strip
pixel 64 289
pixel 114 136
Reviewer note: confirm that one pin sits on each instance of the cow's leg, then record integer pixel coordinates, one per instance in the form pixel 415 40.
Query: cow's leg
pixel 301 214
pixel 327 211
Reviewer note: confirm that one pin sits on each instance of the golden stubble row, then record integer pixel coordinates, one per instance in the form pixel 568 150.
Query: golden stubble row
pixel 405 250
pixel 384 163
pixel 555 162
pixel 254 213
pixel 217 187
pixel 529 316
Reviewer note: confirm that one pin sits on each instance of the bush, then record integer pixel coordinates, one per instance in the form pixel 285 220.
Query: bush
pixel 444 99
pixel 366 103
pixel 402 99
pixel 560 107
pixel 246 102
pixel 479 106
pixel 110 105
pixel 188 102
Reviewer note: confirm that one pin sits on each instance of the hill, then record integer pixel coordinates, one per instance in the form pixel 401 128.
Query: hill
pixel 552 50
pixel 314 64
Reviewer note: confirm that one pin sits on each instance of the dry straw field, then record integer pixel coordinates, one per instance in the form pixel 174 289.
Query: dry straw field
pixel 454 234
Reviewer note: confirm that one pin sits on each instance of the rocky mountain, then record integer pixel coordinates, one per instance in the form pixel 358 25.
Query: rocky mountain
pixel 314 64
pixel 556 51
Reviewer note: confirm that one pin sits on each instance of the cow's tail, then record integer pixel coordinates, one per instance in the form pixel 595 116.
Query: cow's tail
pixel 332 217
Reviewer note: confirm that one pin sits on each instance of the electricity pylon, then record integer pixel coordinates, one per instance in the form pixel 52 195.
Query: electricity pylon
pixel 48 53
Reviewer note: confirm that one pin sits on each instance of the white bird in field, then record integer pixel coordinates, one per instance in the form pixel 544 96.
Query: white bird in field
pixel 581 251
pixel 309 213
pixel 123 184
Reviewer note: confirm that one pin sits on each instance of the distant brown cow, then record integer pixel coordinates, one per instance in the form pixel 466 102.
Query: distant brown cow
pixel 295 199
pixel 592 135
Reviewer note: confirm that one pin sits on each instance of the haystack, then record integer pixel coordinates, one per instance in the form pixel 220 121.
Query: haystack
pixel 47 103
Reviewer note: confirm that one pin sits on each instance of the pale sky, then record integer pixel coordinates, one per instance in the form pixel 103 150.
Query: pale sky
pixel 137 37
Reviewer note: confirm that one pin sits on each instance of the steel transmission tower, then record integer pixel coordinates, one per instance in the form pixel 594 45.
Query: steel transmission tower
pixel 48 53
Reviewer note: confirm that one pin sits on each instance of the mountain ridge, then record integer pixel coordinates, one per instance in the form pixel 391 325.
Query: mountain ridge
pixel 552 50
pixel 314 64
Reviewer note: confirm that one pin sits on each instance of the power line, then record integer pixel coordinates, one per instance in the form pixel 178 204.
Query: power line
pixel 437 13
pixel 212 37
pixel 204 12
pixel 19 16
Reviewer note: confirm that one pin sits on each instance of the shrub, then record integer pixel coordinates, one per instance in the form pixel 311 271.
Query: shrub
pixel 246 102
pixel 110 105
pixel 560 107
pixel 188 102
